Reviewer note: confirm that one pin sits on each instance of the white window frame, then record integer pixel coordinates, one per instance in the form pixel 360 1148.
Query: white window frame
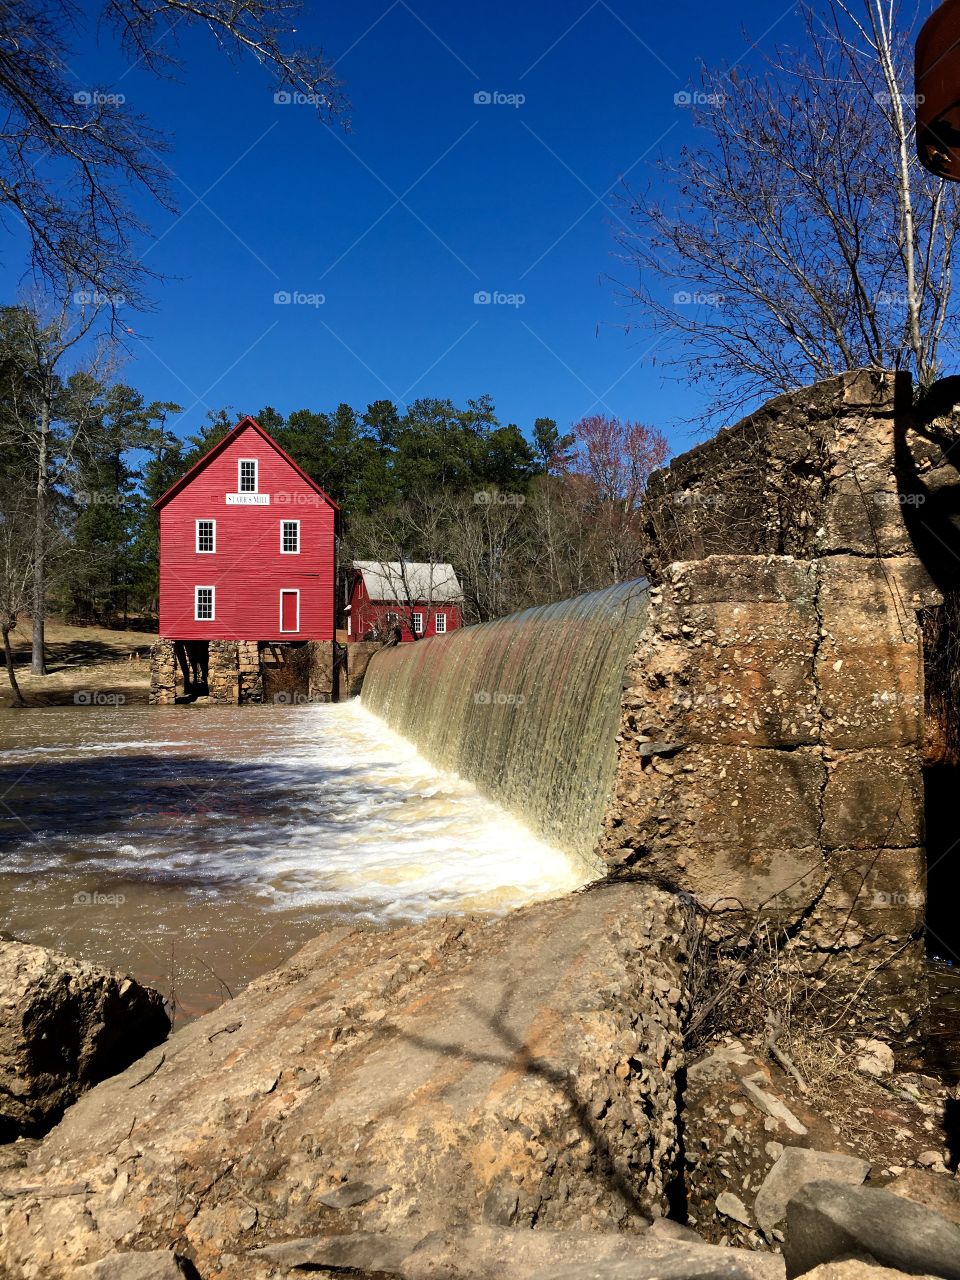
pixel 255 463
pixel 417 622
pixel 283 550
pixel 204 551
pixel 196 604
pixel 289 591
pixel 440 624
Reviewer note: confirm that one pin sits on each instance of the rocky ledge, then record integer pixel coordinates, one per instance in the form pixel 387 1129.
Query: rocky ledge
pixel 522 1072
pixel 477 1100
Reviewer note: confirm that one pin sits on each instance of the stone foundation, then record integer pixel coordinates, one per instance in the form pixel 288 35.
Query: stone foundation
pixel 320 671
pixel 249 675
pixel 772 729
pixel 770 755
pixel 163 674
pixel 236 673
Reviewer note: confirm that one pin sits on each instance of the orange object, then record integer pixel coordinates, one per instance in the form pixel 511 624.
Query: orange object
pixel 937 86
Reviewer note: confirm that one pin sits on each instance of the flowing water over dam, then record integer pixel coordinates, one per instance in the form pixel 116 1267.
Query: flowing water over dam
pixel 196 847
pixel 527 707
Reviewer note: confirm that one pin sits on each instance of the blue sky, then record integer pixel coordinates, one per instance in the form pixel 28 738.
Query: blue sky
pixel 431 199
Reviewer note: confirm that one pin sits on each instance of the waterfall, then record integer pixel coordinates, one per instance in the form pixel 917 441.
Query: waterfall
pixel 526 707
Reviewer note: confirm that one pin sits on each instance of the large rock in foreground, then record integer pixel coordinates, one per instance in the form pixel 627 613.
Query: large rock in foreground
pixel 827 1222
pixel 64 1026
pixel 521 1072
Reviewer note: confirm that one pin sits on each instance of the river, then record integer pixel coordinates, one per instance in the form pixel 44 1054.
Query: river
pixel 197 847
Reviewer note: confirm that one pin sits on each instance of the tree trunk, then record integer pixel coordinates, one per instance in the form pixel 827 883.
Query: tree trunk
pixel 38 664
pixel 18 699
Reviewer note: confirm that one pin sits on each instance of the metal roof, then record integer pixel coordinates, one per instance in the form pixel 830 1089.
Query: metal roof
pixel 409 581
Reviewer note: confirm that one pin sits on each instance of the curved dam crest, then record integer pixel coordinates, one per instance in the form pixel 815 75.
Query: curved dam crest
pixel 527 707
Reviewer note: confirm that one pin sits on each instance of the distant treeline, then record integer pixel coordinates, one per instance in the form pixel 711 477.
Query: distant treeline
pixel 524 517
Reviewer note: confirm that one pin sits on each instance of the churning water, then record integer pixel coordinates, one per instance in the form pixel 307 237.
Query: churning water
pixel 197 846
pixel 526 706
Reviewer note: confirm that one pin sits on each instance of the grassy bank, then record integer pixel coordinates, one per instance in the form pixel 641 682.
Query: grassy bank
pixel 84 664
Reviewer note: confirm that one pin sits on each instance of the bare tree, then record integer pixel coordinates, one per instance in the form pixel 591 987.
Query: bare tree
pixel 488 537
pixel 802 237
pixel 72 154
pixel 616 458
pixel 407 545
pixel 45 414
pixel 16 570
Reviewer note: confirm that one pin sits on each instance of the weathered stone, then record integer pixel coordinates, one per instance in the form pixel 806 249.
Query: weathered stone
pixel 771 1105
pixel 732 1206
pixel 934 1190
pixel 828 1220
pixel 784 628
pixel 794 1169
pixel 163 674
pixel 873 800
pixel 875 1058
pixel 223 680
pixel 493 1253
pixel 157 1264
pixel 855 1269
pixel 680 1263
pixel 361 1252
pixel 503 1072
pixel 64 1026
pixel 320 671
pixel 359 653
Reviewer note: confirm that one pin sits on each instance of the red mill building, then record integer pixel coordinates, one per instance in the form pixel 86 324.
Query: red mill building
pixel 247 571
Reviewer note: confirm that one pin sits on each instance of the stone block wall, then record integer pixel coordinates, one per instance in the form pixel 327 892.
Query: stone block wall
pixel 359 654
pixel 320 674
pixel 163 674
pixel 770 755
pixel 249 675
pixel 223 679
pixel 812 473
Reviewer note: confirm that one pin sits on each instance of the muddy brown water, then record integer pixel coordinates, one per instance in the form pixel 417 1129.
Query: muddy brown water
pixel 197 847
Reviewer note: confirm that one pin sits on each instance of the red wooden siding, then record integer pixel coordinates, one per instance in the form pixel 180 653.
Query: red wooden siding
pixel 248 568
pixel 365 613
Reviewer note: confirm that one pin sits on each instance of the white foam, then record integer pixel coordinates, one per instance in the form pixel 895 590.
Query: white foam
pixel 302 806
